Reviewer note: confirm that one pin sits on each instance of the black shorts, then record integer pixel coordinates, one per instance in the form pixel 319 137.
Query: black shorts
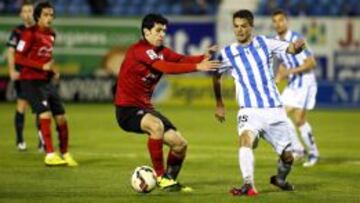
pixel 18 90
pixel 129 118
pixel 43 96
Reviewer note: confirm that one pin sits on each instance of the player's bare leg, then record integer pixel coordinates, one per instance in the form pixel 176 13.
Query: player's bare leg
pixel 21 106
pixel 307 136
pixel 155 128
pixel 51 158
pixel 63 133
pixel 176 156
pixel 284 167
pixel 177 152
pixel 246 161
pixel 298 148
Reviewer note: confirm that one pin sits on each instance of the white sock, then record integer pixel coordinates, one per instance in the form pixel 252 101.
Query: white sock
pixel 306 134
pixel 246 161
pixel 295 142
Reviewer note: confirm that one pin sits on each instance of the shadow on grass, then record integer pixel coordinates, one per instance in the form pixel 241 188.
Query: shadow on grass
pixel 299 187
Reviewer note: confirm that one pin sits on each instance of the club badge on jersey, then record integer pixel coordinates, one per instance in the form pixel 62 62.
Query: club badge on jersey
pixel 153 55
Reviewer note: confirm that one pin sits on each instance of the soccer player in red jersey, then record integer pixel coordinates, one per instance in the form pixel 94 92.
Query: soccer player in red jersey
pixel 26 15
pixel 144 64
pixel 34 53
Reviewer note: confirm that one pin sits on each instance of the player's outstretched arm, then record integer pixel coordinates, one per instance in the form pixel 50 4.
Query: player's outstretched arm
pixel 220 108
pixel 178 68
pixel 208 65
pixel 296 47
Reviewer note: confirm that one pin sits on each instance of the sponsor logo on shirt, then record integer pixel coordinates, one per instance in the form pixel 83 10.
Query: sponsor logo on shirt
pixel 151 54
pixel 21 45
pixel 45 51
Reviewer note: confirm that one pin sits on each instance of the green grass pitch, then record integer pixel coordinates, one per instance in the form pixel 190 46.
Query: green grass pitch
pixel 107 157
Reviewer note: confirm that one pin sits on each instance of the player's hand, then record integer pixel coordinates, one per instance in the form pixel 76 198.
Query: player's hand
pixel 208 65
pixel 14 75
pixel 47 66
pixel 211 50
pixel 54 74
pixel 220 113
pixel 299 45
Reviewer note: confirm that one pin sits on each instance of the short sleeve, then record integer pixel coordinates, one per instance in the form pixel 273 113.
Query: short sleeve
pixel 13 39
pixel 225 62
pixel 146 55
pixel 276 46
pixel 25 41
pixel 306 53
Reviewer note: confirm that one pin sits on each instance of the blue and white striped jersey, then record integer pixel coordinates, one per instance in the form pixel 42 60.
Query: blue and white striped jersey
pixel 251 67
pixel 293 61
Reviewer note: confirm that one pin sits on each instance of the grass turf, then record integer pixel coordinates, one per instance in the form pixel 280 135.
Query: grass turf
pixel 107 157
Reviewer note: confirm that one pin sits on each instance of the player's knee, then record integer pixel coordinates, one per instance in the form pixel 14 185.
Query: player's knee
pixel 180 144
pixel 287 157
pixel 60 119
pixel 247 139
pixel 180 148
pixel 45 115
pixel 299 119
pixel 21 106
pixel 157 128
pixel 183 146
pixel 299 122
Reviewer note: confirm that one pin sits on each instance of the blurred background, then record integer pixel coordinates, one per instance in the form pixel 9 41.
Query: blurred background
pixel 93 35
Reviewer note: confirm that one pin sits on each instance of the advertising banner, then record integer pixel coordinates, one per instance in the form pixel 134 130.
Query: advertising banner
pixel 83 45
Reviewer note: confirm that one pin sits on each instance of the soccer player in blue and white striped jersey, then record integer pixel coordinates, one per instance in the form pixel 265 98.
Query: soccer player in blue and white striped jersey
pixel 300 94
pixel 261 111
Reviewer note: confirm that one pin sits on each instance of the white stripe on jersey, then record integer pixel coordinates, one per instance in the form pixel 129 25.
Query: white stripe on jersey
pixel 251 67
pixel 294 61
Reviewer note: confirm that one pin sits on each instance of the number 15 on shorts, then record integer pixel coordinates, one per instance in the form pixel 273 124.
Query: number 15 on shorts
pixel 243 118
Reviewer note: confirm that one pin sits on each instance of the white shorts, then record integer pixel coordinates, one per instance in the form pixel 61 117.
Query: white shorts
pixel 301 98
pixel 268 123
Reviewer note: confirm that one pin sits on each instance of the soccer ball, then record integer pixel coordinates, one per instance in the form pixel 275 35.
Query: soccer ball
pixel 143 179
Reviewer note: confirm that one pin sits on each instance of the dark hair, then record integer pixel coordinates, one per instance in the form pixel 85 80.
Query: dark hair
pixel 279 12
pixel 26 3
pixel 150 19
pixel 39 7
pixel 244 13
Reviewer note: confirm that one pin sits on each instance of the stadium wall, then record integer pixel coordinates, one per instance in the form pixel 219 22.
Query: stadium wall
pixel 84 44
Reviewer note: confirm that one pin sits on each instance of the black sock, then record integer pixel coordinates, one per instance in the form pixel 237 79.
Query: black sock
pixel 19 126
pixel 283 169
pixel 174 164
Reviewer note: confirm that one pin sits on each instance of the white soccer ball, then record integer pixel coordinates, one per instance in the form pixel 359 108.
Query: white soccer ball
pixel 143 179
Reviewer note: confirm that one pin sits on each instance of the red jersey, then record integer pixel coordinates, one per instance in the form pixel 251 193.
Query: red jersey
pixel 34 49
pixel 142 69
